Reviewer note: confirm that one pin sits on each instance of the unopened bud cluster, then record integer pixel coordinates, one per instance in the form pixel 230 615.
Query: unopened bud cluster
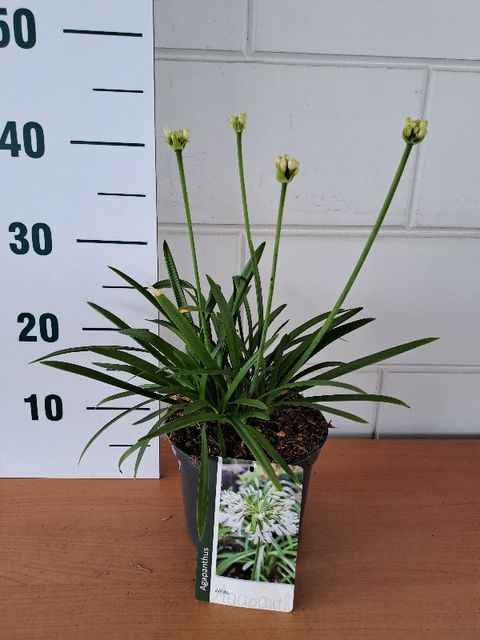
pixel 414 131
pixel 287 168
pixel 177 139
pixel 238 122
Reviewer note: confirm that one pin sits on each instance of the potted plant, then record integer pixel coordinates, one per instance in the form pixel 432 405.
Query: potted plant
pixel 235 387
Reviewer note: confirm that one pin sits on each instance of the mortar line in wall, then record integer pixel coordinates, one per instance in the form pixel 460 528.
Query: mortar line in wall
pixel 462 369
pixel 250 20
pixel 313 59
pixel 376 414
pixel 359 231
pixel 419 160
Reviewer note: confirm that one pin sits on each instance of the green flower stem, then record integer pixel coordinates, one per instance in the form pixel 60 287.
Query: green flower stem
pixel 201 310
pixel 256 569
pixel 256 274
pixel 361 260
pixel 273 274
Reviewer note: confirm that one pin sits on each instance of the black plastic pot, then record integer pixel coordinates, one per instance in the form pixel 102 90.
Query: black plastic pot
pixel 188 467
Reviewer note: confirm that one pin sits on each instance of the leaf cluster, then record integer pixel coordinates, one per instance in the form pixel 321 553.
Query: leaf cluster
pixel 208 377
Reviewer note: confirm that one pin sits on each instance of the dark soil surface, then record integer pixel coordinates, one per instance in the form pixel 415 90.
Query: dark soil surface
pixel 295 432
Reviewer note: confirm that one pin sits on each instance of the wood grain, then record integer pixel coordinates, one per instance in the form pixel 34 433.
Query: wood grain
pixel 390 550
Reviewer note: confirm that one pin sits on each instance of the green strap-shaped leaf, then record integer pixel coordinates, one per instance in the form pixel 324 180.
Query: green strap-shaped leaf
pixel 256 413
pixel 232 387
pixel 272 452
pixel 228 322
pixel 175 280
pixel 114 366
pixel 256 449
pixel 174 408
pixel 220 440
pixel 62 352
pixel 160 429
pixel 118 322
pixel 248 315
pixel 100 377
pixel 142 290
pixel 380 356
pixel 152 416
pixel 202 487
pixel 232 558
pixel 139 446
pixel 245 277
pixel 225 373
pixel 126 394
pixel 308 384
pixel 108 424
pixel 251 402
pixel 165 352
pixel 274 363
pixel 181 423
pixel 358 397
pixel 317 367
pixel 139 458
pixel 193 407
pixel 323 408
pixel 128 358
pixel 273 316
pixel 186 332
pixel 166 284
pixel 342 316
pixel 290 362
pixel 126 368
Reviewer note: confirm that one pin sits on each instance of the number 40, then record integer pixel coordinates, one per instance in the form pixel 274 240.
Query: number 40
pixel 32 136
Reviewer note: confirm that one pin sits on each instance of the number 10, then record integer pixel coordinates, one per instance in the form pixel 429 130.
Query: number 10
pixel 53 407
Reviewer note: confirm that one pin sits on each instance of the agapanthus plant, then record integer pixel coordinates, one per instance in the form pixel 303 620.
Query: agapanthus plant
pixel 233 366
pixel 258 527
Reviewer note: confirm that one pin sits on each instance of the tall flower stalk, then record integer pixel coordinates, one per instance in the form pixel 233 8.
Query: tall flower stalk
pixel 178 140
pixel 414 131
pixel 238 125
pixel 287 168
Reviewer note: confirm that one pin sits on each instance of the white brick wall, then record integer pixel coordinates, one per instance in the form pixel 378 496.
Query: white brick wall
pixel 330 81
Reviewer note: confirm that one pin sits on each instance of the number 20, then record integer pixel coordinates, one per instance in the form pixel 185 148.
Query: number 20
pixel 47 325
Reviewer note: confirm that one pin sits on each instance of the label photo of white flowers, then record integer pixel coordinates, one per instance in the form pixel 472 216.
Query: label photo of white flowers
pixel 258 524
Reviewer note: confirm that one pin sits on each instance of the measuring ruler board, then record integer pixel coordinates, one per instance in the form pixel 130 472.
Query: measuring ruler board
pixel 77 189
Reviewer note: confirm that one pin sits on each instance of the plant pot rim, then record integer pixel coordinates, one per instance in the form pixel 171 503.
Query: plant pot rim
pixel 305 431
pixel 313 454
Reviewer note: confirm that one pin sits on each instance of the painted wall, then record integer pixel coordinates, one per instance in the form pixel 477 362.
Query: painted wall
pixel 330 83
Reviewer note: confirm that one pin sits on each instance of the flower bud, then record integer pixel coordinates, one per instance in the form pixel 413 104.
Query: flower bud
pixel 156 293
pixel 176 139
pixel 238 122
pixel 287 168
pixel 414 131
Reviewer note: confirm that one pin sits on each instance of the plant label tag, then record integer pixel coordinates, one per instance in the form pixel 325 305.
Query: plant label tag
pixel 248 553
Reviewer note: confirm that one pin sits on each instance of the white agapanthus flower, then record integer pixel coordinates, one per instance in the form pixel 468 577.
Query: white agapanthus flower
pixel 259 512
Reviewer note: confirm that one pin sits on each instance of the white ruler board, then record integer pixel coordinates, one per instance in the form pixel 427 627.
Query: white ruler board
pixel 77 189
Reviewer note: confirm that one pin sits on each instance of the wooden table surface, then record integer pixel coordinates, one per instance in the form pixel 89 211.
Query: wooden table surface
pixel 390 550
